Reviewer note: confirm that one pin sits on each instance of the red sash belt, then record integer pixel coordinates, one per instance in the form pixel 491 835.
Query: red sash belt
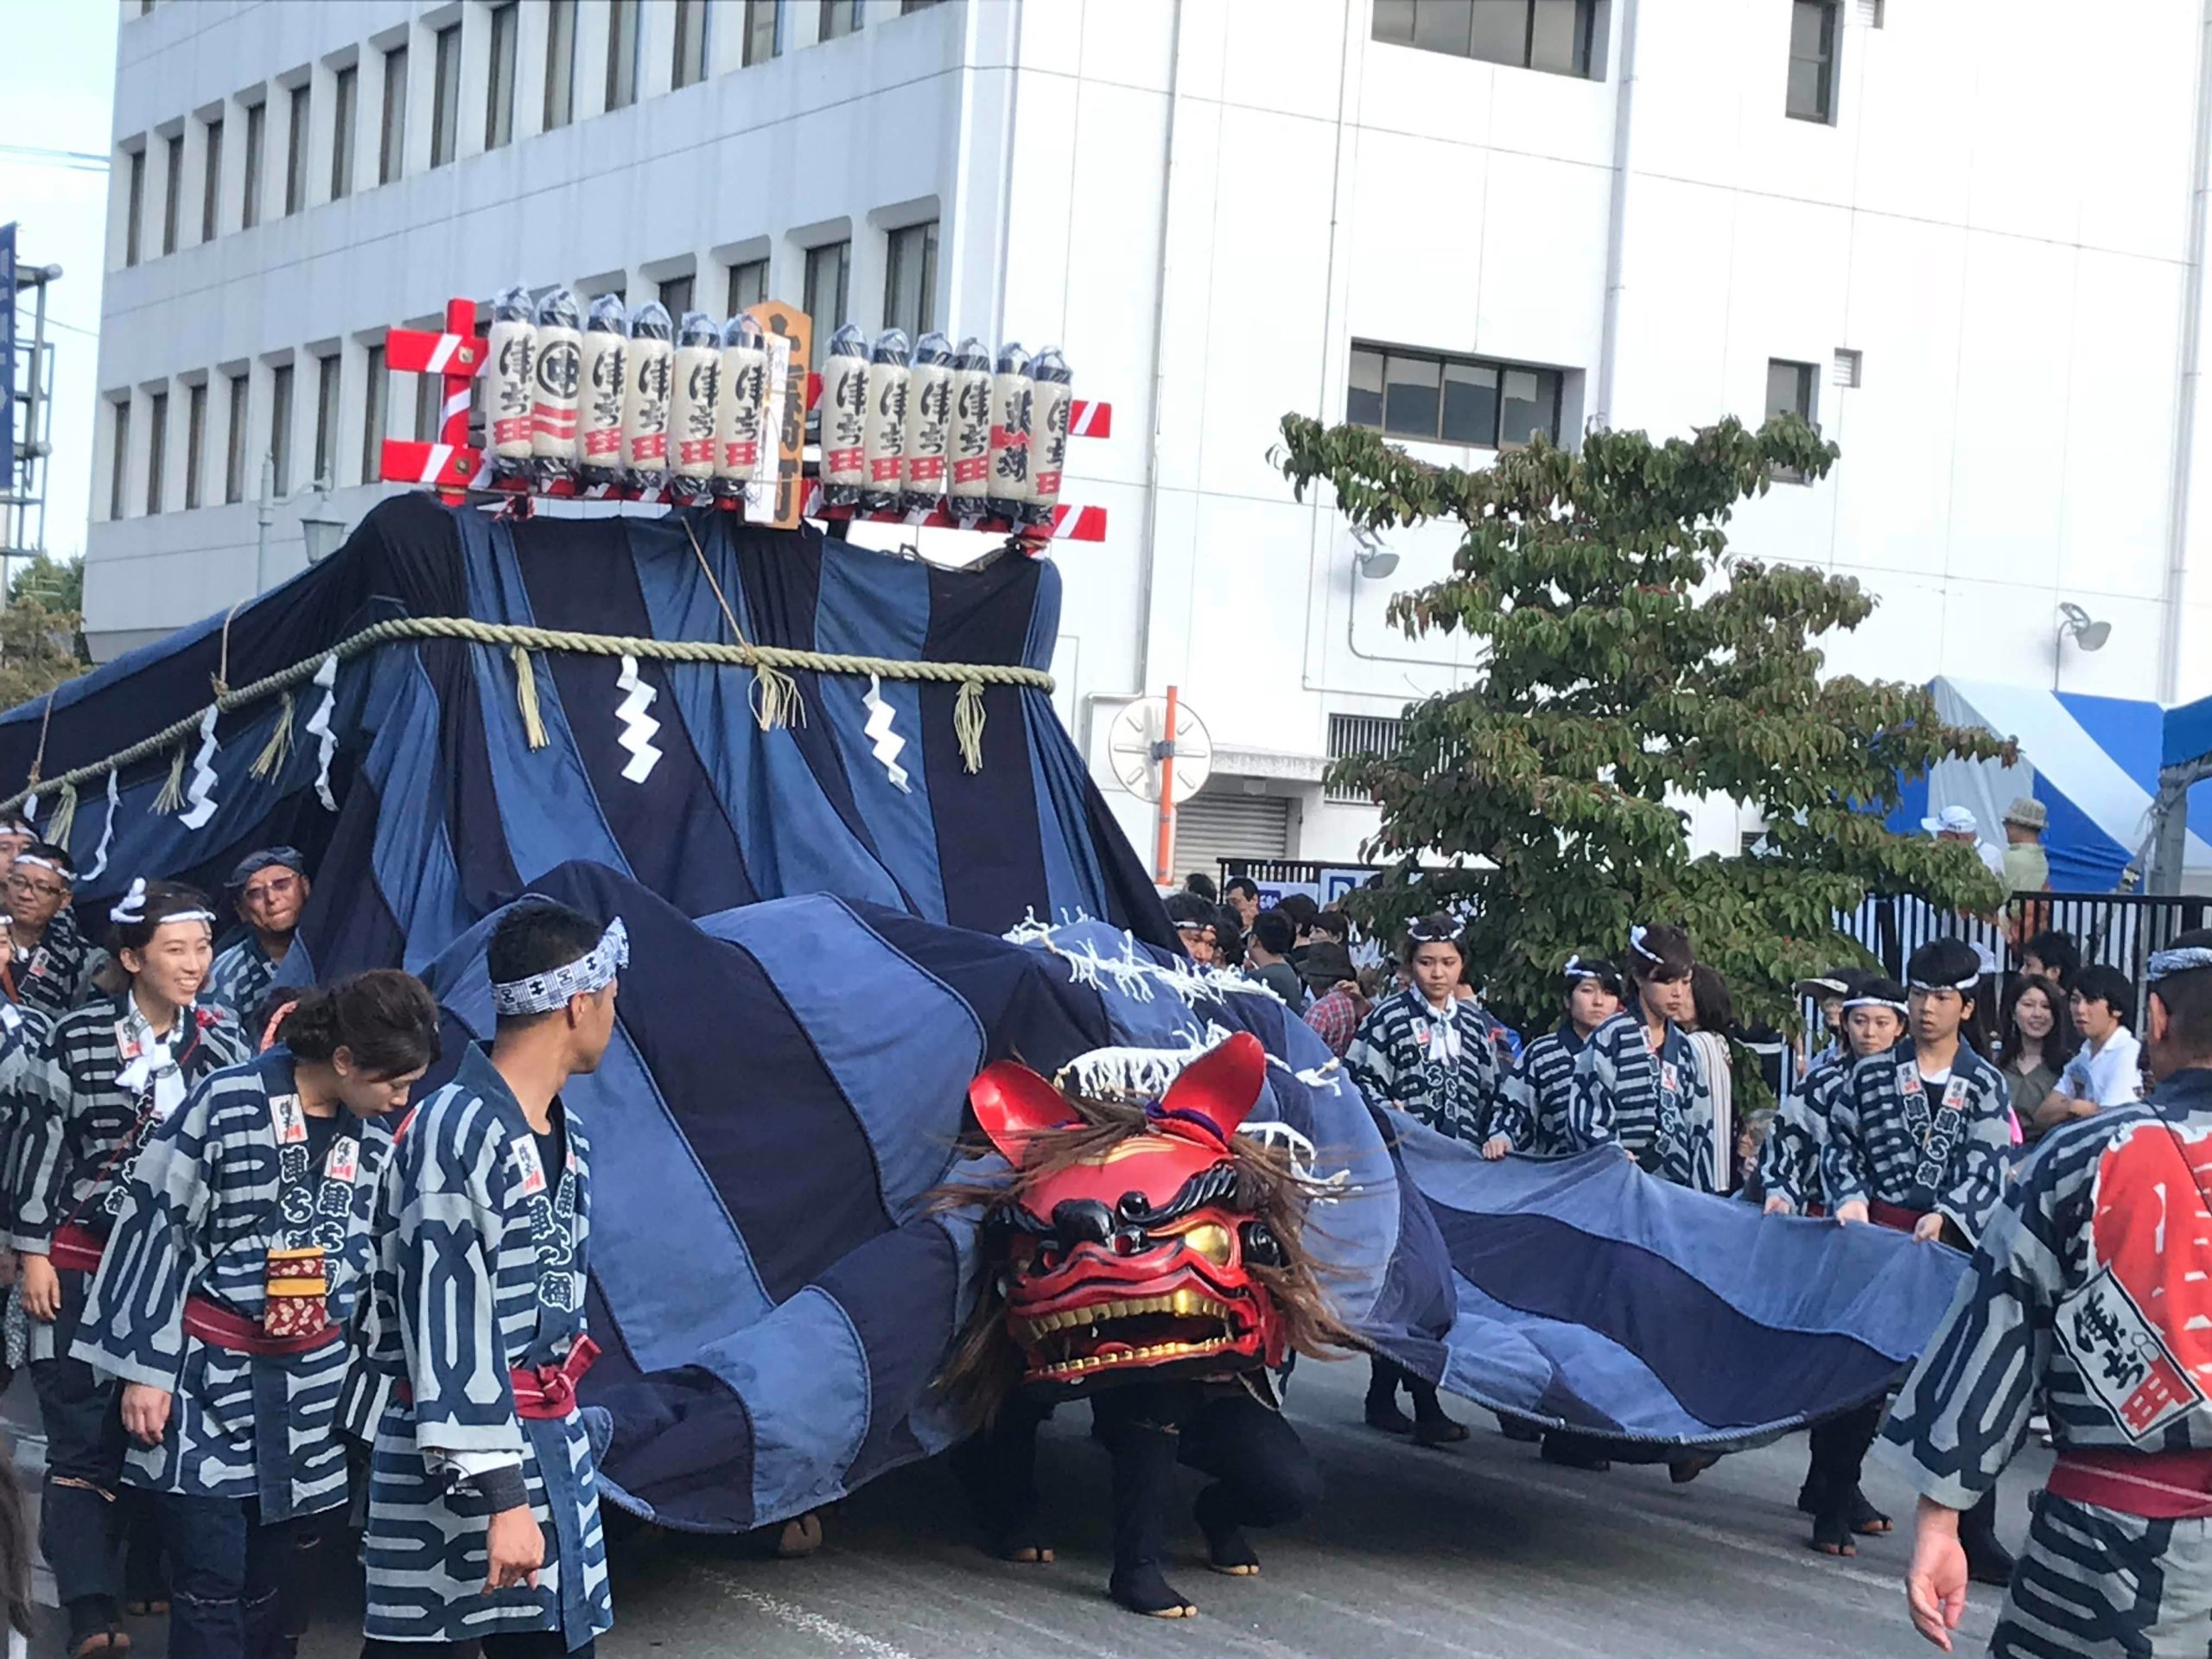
pixel 2155 1485
pixel 75 1250
pixel 219 1327
pixel 544 1392
pixel 1893 1215
pixel 547 1392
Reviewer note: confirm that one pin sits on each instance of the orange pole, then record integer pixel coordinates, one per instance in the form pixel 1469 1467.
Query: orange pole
pixel 1164 856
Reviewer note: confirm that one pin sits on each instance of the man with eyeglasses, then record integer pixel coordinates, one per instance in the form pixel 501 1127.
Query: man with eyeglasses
pixel 269 889
pixel 49 966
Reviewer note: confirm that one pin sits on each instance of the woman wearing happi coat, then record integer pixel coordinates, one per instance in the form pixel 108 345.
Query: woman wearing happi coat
pixel 114 1073
pixel 227 1293
pixel 483 1495
pixel 1650 1098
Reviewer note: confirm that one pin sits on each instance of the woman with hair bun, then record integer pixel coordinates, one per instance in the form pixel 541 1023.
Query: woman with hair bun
pixel 114 1072
pixel 240 1250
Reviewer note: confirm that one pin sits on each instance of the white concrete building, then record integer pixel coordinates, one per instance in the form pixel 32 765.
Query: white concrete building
pixel 1966 236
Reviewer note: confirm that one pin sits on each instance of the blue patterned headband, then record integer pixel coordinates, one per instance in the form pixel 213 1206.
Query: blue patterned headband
pixel 592 972
pixel 2163 964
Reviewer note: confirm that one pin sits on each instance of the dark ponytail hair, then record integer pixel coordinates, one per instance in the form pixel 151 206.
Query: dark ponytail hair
pixel 157 903
pixel 386 1019
pixel 1660 955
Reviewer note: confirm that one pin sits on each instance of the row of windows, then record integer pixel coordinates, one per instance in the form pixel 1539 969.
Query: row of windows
pixel 687 27
pixel 909 302
pixel 1559 37
pixel 1435 397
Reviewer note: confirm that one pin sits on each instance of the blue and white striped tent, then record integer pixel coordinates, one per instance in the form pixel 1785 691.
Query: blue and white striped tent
pixel 2092 761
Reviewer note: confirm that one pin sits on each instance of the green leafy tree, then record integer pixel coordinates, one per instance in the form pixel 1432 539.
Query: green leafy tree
pixel 1635 663
pixel 57 584
pixel 39 649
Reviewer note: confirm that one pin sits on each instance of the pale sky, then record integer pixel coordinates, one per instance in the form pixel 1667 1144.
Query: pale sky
pixel 57 91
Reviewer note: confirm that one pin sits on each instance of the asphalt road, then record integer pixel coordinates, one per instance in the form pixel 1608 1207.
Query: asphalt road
pixel 1480 1550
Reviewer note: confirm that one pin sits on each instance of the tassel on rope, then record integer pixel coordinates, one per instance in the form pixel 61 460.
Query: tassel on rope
pixel 65 815
pixel 775 698
pixel 533 718
pixel 968 724
pixel 278 749
pixel 172 794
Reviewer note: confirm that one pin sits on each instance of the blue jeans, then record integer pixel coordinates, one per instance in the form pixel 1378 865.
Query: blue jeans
pixel 230 1577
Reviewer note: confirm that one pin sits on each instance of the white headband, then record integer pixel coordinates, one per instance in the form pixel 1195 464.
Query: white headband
pixel 2186 959
pixel 1966 984
pixel 43 863
pixel 1636 944
pixel 1606 974
pixel 1876 1002
pixel 592 972
pixel 130 909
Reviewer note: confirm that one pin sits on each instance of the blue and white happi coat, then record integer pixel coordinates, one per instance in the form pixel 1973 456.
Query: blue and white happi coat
pixel 1538 1098
pixel 240 978
pixel 54 978
pixel 1790 1164
pixel 226 1181
pixel 1941 1147
pixel 481 1267
pixel 2087 1301
pixel 1656 1106
pixel 1444 1070
pixel 81 1116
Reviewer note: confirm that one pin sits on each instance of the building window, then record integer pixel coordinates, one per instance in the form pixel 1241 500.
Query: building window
pixel 280 427
pixel 748 286
pixel 211 185
pixel 676 296
pixel 343 96
pixel 1812 59
pixel 1553 36
pixel 910 284
pixel 621 53
pixel 1352 734
pixel 500 105
pixel 257 124
pixel 325 419
pixel 134 205
pixel 234 445
pixel 157 447
pixel 560 63
pixel 829 268
pixel 295 152
pixel 761 40
pixel 196 441
pixel 691 36
pixel 1425 395
pixel 373 417
pixel 392 141
pixel 445 97
pixel 1790 388
pixel 840 17
pixel 172 187
pixel 119 472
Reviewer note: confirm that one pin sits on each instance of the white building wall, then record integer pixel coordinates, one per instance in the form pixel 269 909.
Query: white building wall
pixel 1207 202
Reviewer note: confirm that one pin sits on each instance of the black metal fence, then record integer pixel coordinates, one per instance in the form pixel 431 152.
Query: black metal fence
pixel 2121 930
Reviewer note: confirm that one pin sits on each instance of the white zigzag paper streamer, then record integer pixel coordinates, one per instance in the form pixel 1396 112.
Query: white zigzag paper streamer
pixel 638 726
pixel 200 799
pixel 318 726
pixel 98 865
pixel 887 743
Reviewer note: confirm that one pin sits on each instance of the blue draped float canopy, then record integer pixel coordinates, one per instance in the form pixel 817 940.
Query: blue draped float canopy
pixel 820 963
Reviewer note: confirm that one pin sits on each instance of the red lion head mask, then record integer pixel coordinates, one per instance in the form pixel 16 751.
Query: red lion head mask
pixel 1136 1252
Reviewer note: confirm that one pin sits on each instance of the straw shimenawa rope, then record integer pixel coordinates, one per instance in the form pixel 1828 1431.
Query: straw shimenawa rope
pixel 520 640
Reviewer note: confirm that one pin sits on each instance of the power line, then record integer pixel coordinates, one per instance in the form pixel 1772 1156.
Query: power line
pixel 79 160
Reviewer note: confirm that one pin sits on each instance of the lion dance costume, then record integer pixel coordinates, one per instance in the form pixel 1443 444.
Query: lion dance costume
pixel 1150 1259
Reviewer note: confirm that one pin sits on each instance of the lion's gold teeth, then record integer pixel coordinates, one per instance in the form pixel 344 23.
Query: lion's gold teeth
pixel 1182 1304
pixel 1156 1353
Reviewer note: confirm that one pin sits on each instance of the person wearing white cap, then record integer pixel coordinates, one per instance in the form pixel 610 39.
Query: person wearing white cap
pixel 1958 823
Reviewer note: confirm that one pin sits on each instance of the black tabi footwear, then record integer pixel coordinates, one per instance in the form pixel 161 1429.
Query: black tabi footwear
pixel 1514 1429
pixel 1438 1430
pixel 1866 1520
pixel 1385 1416
pixel 1146 1590
pixel 1831 1531
pixel 1230 1552
pixel 1570 1452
